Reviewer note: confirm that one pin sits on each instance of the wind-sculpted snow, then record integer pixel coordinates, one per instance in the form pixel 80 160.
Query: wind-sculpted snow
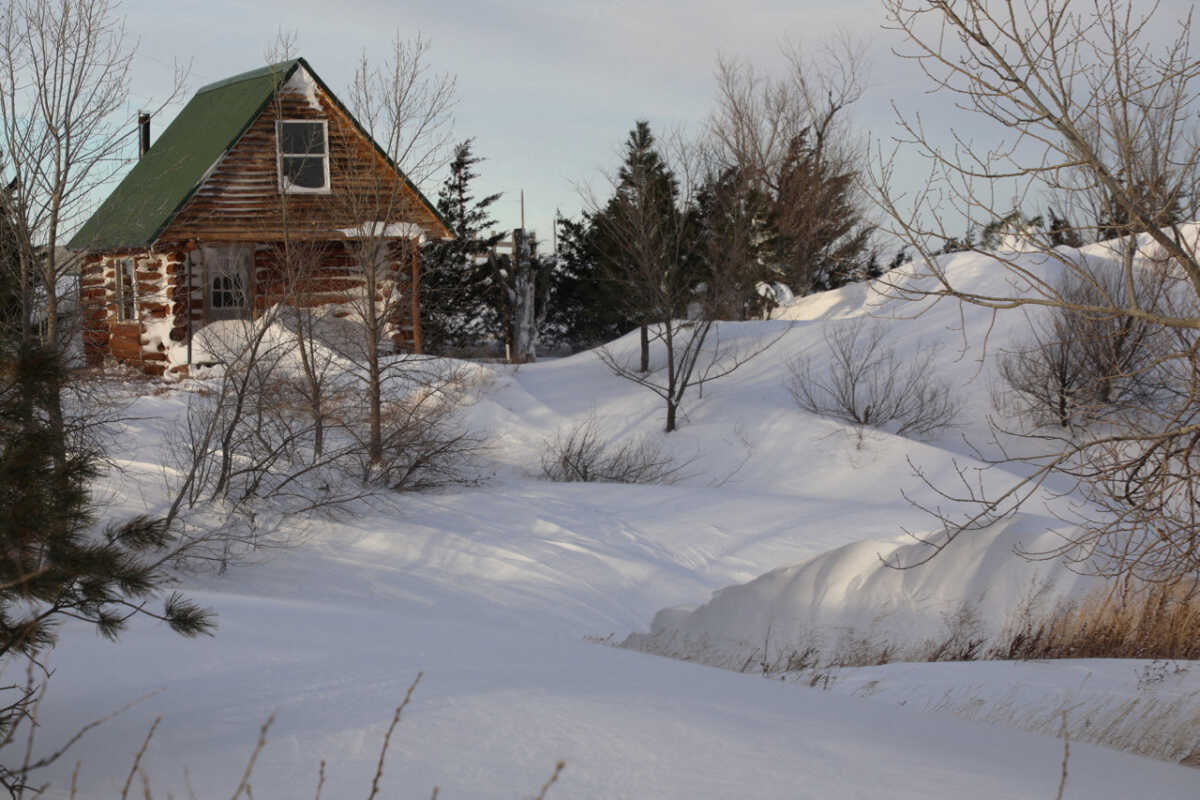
pixel 859 604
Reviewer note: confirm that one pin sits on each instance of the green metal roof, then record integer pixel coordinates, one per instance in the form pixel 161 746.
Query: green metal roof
pixel 165 177
pixel 159 184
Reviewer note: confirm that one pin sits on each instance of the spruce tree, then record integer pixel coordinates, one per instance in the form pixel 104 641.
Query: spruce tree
pixel 731 217
pixel 457 296
pixel 585 306
pixel 638 237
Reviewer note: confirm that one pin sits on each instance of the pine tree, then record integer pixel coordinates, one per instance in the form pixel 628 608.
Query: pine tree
pixel 457 291
pixel 54 565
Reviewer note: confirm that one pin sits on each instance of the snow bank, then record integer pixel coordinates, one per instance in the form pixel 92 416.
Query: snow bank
pixel 847 604
pixel 850 605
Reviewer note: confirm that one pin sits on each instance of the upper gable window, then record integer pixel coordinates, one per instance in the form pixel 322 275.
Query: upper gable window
pixel 303 156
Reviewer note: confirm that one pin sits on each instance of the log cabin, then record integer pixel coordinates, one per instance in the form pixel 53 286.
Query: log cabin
pixel 264 190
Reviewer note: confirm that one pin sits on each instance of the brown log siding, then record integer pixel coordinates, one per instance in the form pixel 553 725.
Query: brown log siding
pixel 241 202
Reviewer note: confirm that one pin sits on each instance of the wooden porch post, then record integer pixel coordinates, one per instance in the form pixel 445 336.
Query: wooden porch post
pixel 415 296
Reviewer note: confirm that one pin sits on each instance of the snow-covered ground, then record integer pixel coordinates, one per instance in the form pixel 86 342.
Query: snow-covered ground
pixel 500 592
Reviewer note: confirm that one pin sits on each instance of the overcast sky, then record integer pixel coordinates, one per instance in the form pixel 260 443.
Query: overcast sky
pixel 547 88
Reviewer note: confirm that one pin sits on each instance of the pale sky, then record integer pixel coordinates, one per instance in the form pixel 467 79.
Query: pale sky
pixel 548 90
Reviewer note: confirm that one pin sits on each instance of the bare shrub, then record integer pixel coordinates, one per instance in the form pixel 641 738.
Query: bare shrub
pixel 1079 367
pixel 423 445
pixel 869 385
pixel 579 454
pixel 1045 377
pixel 253 447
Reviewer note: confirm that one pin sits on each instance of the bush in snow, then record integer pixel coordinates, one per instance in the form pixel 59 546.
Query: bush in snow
pixel 869 385
pixel 578 454
pixel 1078 367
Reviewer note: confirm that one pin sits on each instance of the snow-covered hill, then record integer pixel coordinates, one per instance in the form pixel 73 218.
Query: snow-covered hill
pixel 499 591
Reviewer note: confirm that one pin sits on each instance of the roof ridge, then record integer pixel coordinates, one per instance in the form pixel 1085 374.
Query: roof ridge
pixel 282 69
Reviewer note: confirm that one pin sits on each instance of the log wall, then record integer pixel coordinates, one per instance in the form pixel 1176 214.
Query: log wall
pixel 160 300
pixel 320 275
pixel 240 201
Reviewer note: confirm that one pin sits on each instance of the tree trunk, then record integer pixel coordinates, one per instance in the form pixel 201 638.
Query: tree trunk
pixel 374 378
pixel 524 301
pixel 645 337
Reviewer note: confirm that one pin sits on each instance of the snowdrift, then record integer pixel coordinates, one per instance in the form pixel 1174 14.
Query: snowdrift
pixel 853 605
pixel 848 605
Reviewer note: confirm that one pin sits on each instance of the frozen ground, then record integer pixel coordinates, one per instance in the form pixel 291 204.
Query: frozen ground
pixel 498 592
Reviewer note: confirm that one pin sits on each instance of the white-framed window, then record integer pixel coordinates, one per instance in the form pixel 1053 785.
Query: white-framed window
pixel 126 281
pixel 303 148
pixel 227 281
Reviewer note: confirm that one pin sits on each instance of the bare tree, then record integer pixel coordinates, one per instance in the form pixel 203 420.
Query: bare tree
pixel 649 250
pixel 1086 95
pixel 406 110
pixel 869 385
pixel 1098 116
pixel 66 68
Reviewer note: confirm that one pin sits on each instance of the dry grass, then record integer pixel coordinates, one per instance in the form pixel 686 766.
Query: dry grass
pixel 1156 621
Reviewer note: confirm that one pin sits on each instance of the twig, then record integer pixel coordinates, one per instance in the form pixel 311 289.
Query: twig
pixel 558 768
pixel 387 737
pixel 1062 783
pixel 244 784
pixel 137 759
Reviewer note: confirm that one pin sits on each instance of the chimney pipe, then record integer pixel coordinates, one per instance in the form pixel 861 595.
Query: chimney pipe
pixel 143 133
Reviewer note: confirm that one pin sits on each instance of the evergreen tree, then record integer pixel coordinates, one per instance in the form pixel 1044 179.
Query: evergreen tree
pixel 641 238
pixel 1062 231
pixel 53 563
pixel 1013 224
pixel 1156 197
pixel 459 303
pixel 731 218
pixel 585 308
pixel 954 244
